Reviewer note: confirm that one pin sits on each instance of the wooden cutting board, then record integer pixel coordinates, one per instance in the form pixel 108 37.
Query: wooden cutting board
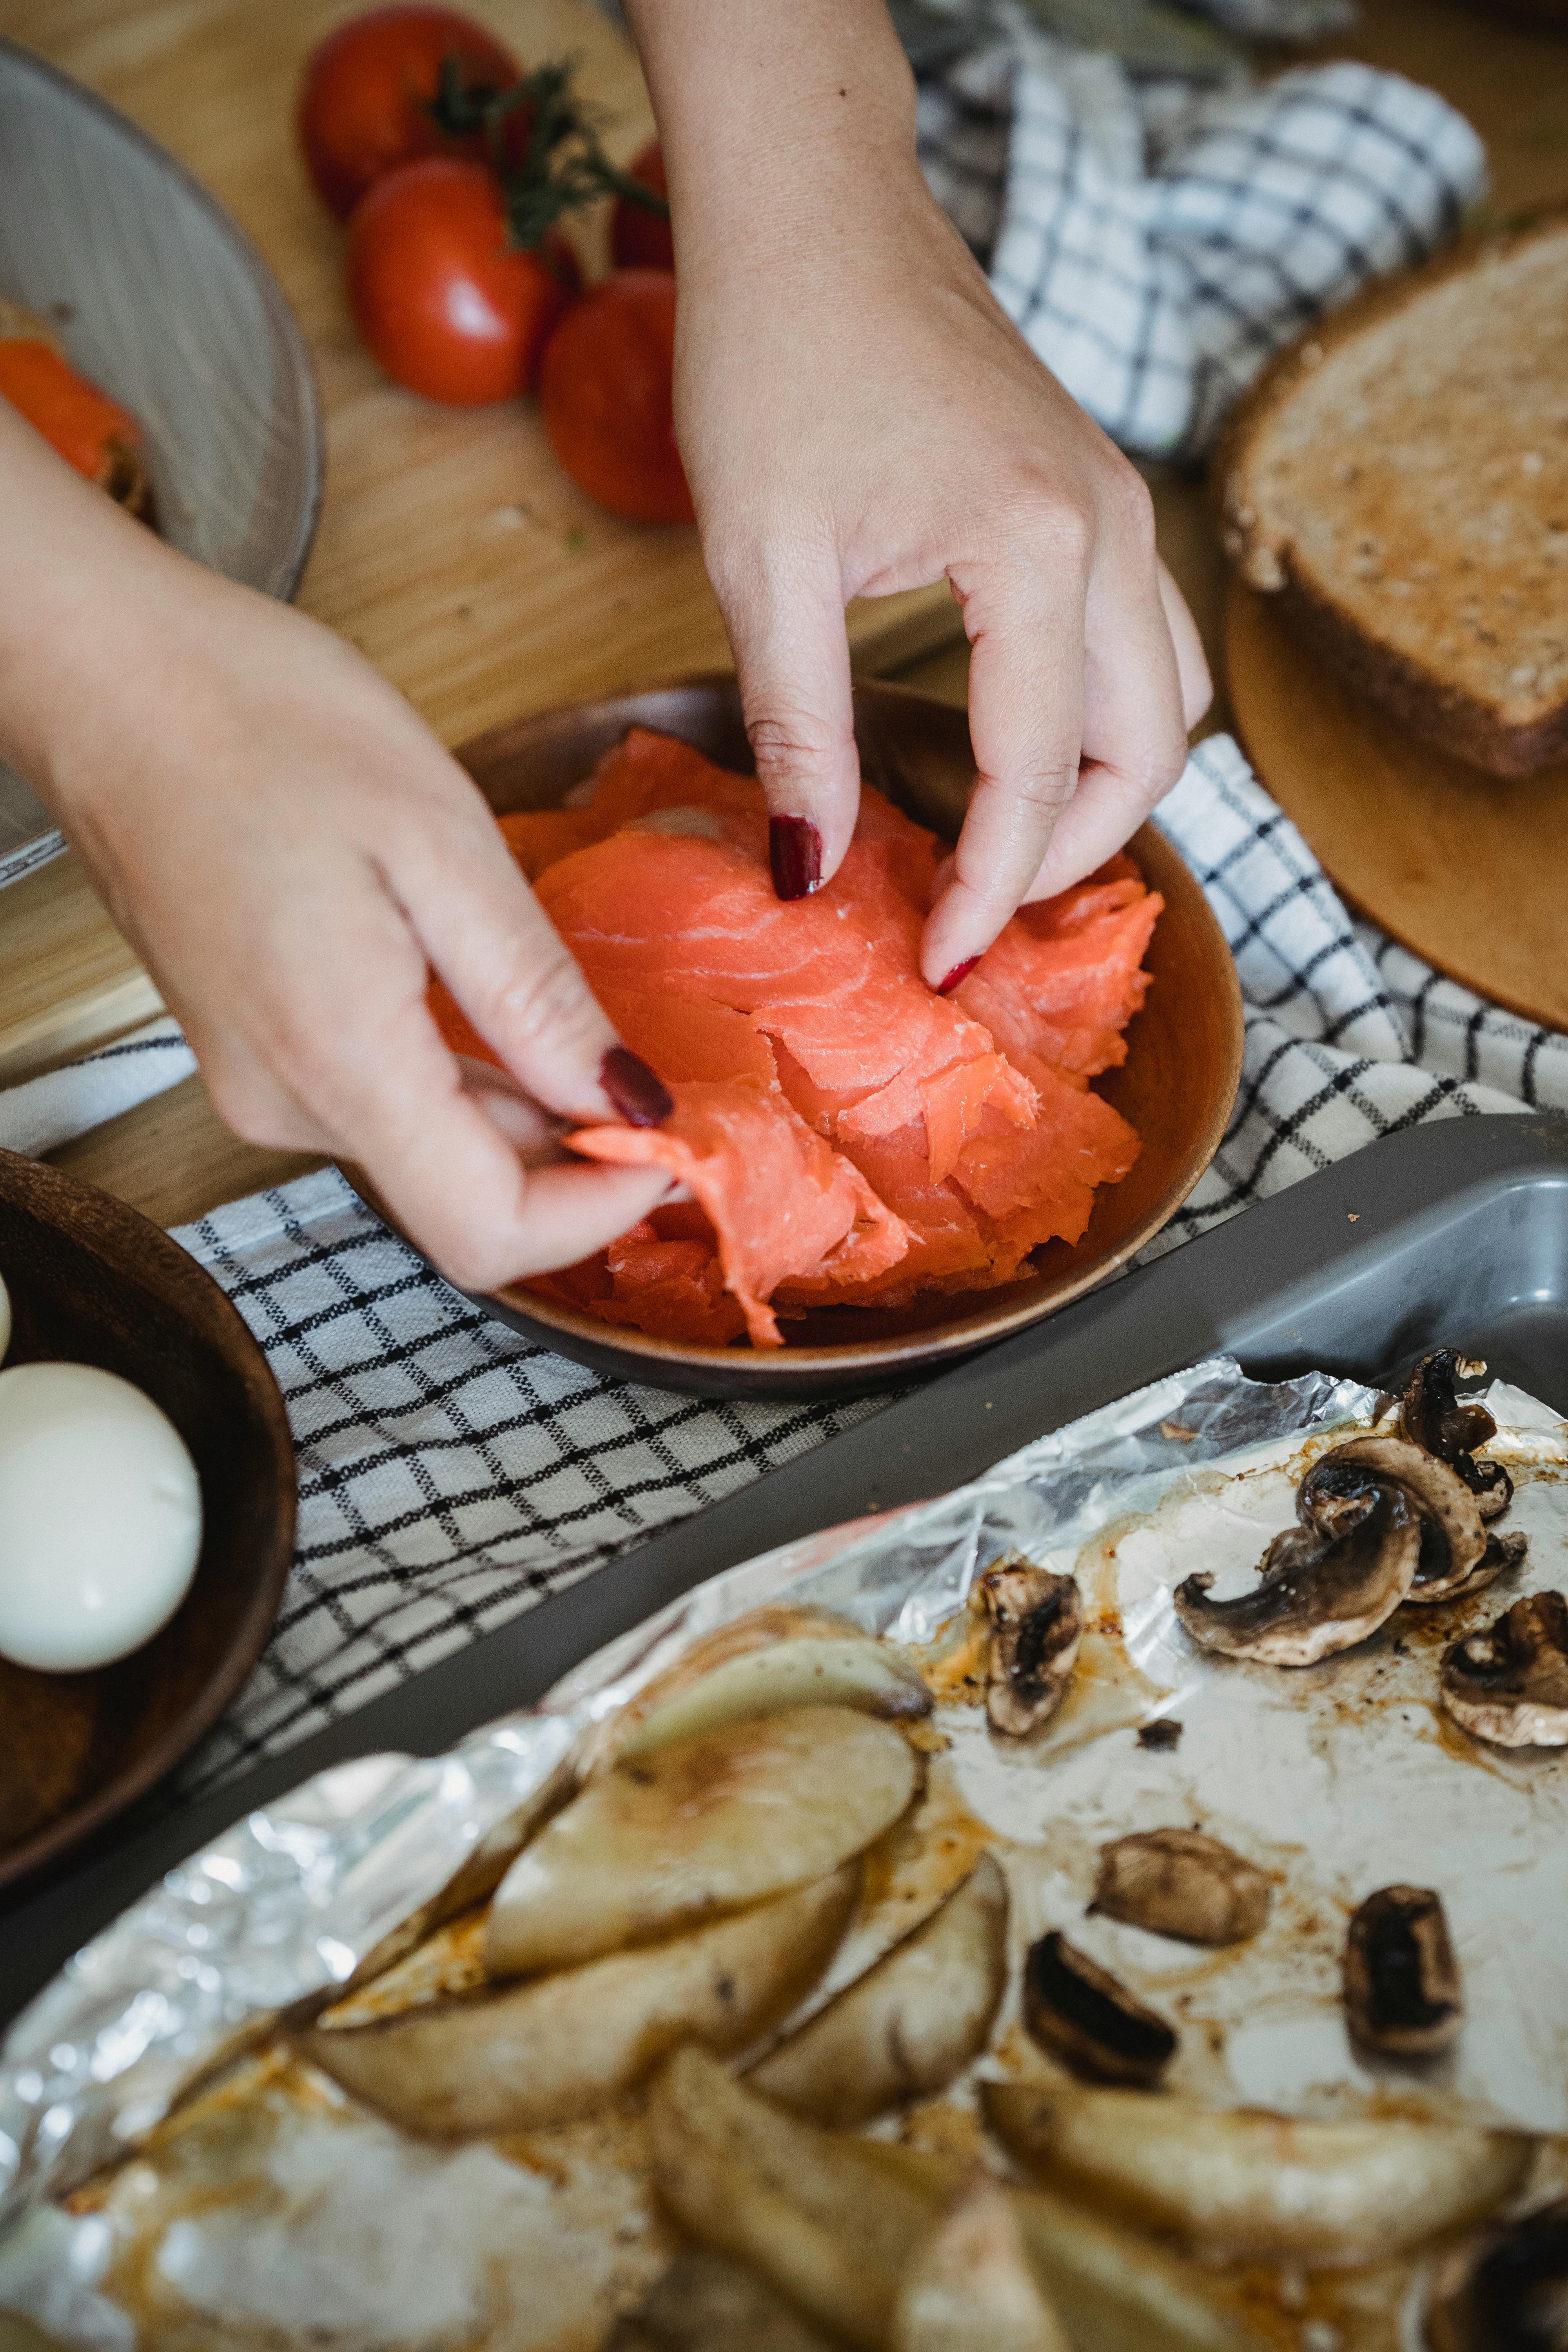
pixel 1469 870
pixel 453 551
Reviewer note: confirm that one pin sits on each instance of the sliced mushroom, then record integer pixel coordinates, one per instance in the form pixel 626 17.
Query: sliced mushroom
pixel 1321 1590
pixel 1502 1553
pixel 1402 1983
pixel 1037 1621
pixel 1453 1539
pixel 1164 1733
pixel 1508 1682
pixel 1433 1416
pixel 1085 2016
pixel 1504 2290
pixel 1180 1882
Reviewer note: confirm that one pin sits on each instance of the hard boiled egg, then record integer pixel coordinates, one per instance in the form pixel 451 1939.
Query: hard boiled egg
pixel 101 1517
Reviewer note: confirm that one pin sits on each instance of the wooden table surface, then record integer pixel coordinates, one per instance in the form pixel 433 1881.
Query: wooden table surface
pixel 451 549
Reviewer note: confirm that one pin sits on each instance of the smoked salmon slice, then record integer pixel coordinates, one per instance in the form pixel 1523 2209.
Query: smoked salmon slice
pixel 846 1135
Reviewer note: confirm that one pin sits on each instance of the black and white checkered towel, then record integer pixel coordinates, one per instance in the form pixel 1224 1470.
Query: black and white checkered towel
pixel 1156 239
pixel 451 1474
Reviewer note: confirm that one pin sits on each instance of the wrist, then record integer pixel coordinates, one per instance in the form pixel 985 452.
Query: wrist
pixel 74 580
pixel 779 120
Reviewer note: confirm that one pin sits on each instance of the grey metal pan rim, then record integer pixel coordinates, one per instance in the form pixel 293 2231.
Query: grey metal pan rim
pixel 1456 1234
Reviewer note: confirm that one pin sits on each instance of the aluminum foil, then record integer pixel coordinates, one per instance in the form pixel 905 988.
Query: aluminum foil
pixel 299 1900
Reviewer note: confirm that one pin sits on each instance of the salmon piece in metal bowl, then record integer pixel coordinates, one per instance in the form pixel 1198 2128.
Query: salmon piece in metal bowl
pixel 847 1136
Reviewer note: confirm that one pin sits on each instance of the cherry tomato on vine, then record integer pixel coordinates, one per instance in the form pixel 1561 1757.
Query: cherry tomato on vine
pixel 446 305
pixel 640 239
pixel 364 98
pixel 606 394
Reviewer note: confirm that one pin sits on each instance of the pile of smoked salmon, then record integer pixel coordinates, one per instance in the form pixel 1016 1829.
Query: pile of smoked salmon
pixel 847 1136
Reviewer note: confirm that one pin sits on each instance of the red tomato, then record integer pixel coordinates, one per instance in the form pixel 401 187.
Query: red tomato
pixel 606 391
pixel 639 239
pixel 447 306
pixel 362 100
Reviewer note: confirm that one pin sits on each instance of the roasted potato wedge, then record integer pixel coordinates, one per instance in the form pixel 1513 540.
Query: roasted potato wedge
pixel 970 2288
pixel 560 2046
pixel 1117 2292
pixel 705 2302
pixel 763 1663
pixel 703 1827
pixel 797 2203
pixel 903 2030
pixel 1248 2185
pixel 835 2222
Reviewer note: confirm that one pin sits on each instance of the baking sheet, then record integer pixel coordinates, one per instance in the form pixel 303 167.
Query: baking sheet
pixel 283 2210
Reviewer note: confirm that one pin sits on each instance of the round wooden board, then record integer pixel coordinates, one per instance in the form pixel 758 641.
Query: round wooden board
pixel 1467 870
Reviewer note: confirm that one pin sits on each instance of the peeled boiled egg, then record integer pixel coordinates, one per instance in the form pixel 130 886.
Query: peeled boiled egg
pixel 101 1517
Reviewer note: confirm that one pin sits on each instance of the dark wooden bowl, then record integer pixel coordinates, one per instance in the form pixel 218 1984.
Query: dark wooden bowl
pixel 91 1282
pixel 1177 1086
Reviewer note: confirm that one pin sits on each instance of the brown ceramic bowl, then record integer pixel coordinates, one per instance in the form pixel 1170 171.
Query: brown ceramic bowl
pixel 92 1282
pixel 1177 1086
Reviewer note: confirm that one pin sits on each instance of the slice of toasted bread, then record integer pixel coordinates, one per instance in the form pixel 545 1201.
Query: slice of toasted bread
pixel 1399 477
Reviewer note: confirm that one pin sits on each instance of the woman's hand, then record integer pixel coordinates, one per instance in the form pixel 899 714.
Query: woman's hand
pixel 290 849
pixel 858 415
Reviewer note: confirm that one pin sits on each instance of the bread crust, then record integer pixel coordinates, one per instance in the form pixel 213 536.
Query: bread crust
pixel 1440 710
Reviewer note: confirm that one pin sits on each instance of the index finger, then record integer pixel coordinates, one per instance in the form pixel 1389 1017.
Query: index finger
pixel 1025 628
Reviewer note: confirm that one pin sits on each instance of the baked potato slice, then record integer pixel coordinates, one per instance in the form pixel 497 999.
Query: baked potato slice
pixel 970 2288
pixel 798 2204
pixel 1247 2184
pixel 768 1661
pixel 703 1827
pixel 835 2224
pixel 904 2029
pixel 704 2303
pixel 561 2046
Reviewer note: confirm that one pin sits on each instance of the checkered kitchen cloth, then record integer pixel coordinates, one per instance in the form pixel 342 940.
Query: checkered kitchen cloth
pixel 1157 238
pixel 451 1474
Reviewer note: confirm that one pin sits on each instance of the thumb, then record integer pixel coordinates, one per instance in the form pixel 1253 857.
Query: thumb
pixel 791 663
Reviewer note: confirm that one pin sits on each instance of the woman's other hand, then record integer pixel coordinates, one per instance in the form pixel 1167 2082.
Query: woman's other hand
pixel 858 415
pixel 292 852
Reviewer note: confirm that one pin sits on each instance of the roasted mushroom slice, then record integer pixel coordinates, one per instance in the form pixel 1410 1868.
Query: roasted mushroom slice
pixel 1504 2290
pixel 1453 1539
pixel 1322 1589
pixel 1502 1553
pixel 1402 1983
pixel 1508 1682
pixel 1085 2016
pixel 1432 1416
pixel 1036 1621
pixel 1181 1883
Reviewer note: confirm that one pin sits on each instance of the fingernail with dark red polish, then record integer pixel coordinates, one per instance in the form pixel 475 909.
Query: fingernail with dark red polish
pixel 641 1097
pixel 959 973
pixel 795 852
